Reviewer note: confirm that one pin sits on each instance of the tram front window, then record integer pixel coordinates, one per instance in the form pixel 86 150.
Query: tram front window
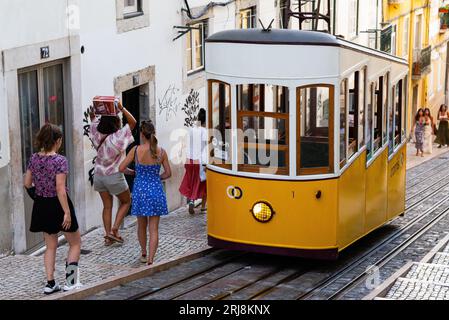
pixel 220 122
pixel 315 129
pixel 263 128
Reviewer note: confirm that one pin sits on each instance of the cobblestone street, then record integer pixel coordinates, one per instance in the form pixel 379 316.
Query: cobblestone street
pixel 23 277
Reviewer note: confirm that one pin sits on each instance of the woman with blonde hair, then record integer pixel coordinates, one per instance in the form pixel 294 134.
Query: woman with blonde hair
pixel 149 201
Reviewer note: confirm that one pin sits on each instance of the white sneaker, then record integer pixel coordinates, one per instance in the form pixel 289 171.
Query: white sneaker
pixel 49 289
pixel 68 287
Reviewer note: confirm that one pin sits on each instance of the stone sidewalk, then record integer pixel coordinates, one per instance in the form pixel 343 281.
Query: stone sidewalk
pixel 23 277
pixel 413 160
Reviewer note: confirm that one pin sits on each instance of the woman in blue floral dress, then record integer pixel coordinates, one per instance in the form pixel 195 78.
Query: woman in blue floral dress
pixel 149 201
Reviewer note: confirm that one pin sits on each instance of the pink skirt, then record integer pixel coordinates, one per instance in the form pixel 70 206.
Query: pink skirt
pixel 191 187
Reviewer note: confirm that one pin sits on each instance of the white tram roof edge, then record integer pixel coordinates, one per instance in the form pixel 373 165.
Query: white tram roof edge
pixel 238 54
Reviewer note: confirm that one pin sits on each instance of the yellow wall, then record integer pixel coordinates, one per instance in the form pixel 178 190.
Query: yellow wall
pixel 396 14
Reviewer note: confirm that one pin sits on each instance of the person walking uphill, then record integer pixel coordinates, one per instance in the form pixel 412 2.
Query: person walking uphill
pixel 111 142
pixel 149 201
pixel 53 211
pixel 193 185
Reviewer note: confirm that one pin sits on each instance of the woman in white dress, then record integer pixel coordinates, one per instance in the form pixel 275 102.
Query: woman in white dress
pixel 428 131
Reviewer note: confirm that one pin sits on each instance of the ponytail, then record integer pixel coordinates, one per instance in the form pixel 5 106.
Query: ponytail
pixel 153 146
pixel 149 132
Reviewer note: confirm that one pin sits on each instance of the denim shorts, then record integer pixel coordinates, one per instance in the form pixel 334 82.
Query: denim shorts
pixel 115 184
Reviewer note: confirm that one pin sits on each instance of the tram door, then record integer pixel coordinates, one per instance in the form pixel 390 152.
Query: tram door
pixel 41 100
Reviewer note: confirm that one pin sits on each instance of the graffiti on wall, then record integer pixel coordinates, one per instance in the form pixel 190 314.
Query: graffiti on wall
pixel 169 104
pixel 86 133
pixel 191 108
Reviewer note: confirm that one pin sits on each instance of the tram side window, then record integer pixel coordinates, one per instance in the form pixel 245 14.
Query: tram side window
pixel 398 107
pixel 361 107
pixel 343 129
pixel 220 122
pixel 391 115
pixel 343 112
pixel 378 116
pixel 263 128
pixel 369 123
pixel 315 129
pixel 403 107
pixel 385 107
pixel 353 84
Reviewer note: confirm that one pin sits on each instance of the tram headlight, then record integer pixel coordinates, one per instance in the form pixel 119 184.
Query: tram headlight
pixel 262 211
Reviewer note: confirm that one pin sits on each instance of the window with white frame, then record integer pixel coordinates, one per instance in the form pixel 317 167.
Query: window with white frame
pixel 353 18
pixel 248 18
pixel 406 35
pixel 132 8
pixel 195 46
pixel 418 32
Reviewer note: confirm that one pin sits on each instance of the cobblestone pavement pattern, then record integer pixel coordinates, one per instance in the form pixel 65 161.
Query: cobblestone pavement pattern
pixel 23 277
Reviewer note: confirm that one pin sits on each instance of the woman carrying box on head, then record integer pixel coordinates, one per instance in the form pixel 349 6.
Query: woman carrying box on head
pixel 111 141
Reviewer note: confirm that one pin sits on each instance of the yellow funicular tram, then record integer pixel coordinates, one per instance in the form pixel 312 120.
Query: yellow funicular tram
pixel 308 141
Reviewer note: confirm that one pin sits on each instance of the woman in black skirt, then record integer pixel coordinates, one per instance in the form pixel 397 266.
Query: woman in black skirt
pixel 53 211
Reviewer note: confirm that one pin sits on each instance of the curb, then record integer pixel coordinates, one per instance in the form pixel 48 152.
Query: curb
pixel 112 282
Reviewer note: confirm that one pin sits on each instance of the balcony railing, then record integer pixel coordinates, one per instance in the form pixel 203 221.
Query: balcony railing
pixel 421 62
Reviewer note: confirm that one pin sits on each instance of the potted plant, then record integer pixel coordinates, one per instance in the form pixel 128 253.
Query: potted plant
pixel 444 9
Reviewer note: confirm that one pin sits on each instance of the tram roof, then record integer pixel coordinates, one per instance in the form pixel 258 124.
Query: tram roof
pixel 293 37
pixel 274 36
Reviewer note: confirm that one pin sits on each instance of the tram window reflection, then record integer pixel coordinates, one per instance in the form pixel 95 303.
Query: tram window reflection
pixel 403 107
pixel 220 122
pixel 353 100
pixel 361 107
pixel 398 113
pixel 343 129
pixel 263 128
pixel 315 129
pixel 385 106
pixel 378 117
pixel 369 122
pixel 391 115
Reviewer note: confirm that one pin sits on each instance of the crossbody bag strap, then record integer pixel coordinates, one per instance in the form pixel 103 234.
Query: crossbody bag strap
pixel 102 142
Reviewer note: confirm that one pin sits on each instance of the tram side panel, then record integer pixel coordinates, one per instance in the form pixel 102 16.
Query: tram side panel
pixel 351 206
pixel 376 192
pixel 396 183
pixel 301 220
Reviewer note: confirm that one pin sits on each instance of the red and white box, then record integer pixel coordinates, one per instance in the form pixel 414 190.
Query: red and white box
pixel 106 106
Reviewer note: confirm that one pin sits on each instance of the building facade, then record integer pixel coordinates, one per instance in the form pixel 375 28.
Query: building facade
pixel 151 54
pixel 65 53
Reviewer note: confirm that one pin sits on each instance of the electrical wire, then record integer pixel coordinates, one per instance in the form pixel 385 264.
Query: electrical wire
pixel 205 9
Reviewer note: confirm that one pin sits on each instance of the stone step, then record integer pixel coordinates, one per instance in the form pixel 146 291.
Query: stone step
pixel 441 258
pixel 428 272
pixel 410 289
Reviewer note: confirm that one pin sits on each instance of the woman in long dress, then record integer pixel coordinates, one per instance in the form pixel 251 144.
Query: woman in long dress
pixel 428 131
pixel 418 128
pixel 443 127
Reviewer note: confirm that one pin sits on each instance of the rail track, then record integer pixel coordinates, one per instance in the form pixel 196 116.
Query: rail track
pixel 223 275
